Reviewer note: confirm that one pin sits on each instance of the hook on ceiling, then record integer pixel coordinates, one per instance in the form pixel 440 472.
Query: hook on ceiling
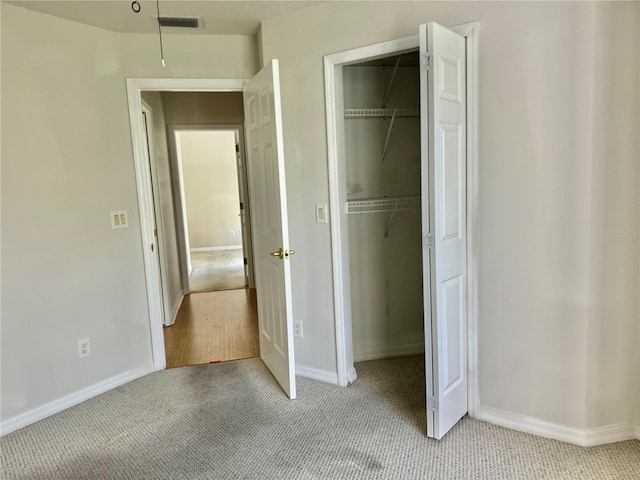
pixel 135 6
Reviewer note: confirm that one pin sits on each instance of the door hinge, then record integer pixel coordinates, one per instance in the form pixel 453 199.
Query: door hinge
pixel 245 261
pixel 241 205
pixel 426 60
pixel 428 241
pixel 432 403
pixel 237 148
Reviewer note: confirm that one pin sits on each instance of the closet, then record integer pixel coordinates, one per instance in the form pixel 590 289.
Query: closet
pixel 383 162
pixel 397 155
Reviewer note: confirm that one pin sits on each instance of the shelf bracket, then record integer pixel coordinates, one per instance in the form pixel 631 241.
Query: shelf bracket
pixel 387 228
pixel 393 76
pixel 386 142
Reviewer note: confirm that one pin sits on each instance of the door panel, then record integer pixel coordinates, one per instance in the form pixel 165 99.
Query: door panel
pixel 267 190
pixel 443 113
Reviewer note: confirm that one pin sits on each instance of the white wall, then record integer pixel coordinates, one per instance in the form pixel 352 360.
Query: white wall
pixel 613 353
pixel 211 188
pixel 166 206
pixel 544 141
pixel 189 56
pixel 67 161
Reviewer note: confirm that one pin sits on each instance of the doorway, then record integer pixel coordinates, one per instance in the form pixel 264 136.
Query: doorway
pixel 210 175
pixel 447 203
pixel 260 98
pixel 217 320
pixel 201 213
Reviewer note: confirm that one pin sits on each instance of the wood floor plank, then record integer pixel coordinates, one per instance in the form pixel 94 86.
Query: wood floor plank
pixel 213 327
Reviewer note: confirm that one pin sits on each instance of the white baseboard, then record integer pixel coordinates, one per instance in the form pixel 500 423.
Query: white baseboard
pixel 352 376
pixel 377 351
pixel 215 249
pixel 619 432
pixel 638 432
pixel 583 437
pixel 326 376
pixel 56 406
pixel 176 307
pixel 524 423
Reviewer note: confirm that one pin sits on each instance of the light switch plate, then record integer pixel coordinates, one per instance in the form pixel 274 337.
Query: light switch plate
pixel 297 328
pixel 322 215
pixel 119 219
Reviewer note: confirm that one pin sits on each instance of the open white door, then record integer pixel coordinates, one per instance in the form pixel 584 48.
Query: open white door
pixel 157 247
pixel 443 124
pixel 267 191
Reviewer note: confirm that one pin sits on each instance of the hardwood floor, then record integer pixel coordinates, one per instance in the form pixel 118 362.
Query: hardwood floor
pixel 213 327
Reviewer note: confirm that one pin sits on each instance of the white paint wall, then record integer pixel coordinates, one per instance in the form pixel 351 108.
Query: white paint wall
pixel 67 161
pixel 547 92
pixel 189 56
pixel 613 350
pixel 166 207
pixel 211 188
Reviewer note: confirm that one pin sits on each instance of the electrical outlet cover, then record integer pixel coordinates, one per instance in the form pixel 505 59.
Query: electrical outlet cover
pixel 84 348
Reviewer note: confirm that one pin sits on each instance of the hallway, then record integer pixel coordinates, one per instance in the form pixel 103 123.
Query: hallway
pixel 217 270
pixel 213 327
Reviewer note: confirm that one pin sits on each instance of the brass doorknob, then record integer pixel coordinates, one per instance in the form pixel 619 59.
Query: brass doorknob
pixel 283 254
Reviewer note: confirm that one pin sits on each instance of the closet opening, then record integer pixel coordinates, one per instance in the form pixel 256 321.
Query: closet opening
pixel 402 159
pixel 383 203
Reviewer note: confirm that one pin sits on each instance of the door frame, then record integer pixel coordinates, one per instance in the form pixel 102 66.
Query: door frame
pixel 135 86
pixel 334 104
pixel 178 187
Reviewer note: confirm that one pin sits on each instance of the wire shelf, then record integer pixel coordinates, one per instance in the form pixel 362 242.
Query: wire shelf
pixel 385 204
pixel 351 113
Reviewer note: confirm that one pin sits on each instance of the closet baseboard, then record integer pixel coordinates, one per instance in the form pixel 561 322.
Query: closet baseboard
pixel 376 352
pixel 317 374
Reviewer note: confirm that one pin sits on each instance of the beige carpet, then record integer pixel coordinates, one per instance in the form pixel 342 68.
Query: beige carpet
pixel 219 270
pixel 231 420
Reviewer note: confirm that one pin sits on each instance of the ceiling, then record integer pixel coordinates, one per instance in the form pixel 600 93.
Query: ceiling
pixel 237 17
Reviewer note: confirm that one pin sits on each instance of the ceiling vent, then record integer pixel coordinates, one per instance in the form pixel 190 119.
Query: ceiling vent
pixel 180 22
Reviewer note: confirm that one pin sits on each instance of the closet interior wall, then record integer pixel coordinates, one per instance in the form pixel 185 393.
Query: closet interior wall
pixel 383 172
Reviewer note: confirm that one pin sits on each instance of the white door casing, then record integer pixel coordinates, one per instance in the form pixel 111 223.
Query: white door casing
pixel 135 86
pixel 244 208
pixel 267 190
pixel 443 126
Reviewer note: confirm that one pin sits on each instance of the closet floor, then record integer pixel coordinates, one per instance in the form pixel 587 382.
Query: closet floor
pixel 213 327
